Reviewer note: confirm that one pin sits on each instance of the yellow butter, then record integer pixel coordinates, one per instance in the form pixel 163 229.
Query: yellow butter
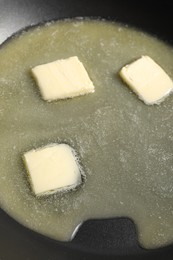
pixel 52 168
pixel 148 80
pixel 62 79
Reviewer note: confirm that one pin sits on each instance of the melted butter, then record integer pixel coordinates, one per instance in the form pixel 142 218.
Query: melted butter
pixel 126 147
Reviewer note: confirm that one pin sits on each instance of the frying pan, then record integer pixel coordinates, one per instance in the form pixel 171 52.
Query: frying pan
pixel 96 239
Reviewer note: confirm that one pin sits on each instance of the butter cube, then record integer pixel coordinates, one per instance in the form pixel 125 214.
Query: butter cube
pixel 62 79
pixel 148 80
pixel 52 168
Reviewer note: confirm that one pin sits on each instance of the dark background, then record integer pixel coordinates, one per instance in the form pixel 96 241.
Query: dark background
pixel 154 16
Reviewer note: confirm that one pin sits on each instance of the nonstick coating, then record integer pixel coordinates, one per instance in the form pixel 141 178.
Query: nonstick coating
pixel 96 239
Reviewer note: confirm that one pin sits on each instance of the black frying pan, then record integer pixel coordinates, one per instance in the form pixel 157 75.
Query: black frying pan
pixel 96 239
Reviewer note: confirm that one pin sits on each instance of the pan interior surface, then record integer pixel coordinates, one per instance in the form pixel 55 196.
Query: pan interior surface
pixel 125 147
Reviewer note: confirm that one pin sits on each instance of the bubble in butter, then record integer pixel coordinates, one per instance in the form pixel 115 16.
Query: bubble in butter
pixel 126 147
